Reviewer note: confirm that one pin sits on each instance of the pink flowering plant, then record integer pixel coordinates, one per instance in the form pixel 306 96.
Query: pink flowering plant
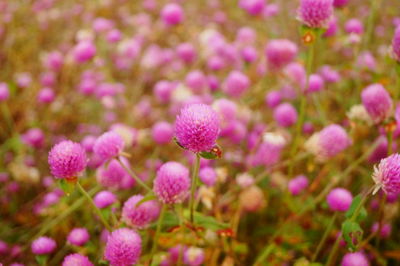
pixel 172 132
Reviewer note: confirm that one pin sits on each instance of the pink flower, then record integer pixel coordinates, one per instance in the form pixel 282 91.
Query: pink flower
pixel 387 174
pixel 315 13
pixel 76 259
pixel 140 216
pixel 280 53
pixel 123 247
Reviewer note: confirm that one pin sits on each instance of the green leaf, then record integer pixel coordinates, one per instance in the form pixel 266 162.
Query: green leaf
pixel 208 155
pixel 354 204
pixel 148 197
pixel 207 221
pixel 352 234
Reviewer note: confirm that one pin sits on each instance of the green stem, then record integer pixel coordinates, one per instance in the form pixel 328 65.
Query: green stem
pixel 194 185
pixel 157 235
pixel 370 23
pixel 98 212
pixel 332 255
pixel 362 202
pixel 302 111
pixel 134 176
pixel 324 237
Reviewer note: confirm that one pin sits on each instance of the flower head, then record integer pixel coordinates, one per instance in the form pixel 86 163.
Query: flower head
pixel 377 102
pixel 197 127
pixel 172 14
pixel 76 259
pixel 103 199
pixel 172 183
pixel 162 132
pixel 78 236
pixel 67 159
pixel 297 184
pixel 355 259
pixel 396 44
pixel 387 174
pixel 279 53
pixel 339 199
pixel 315 13
pixel 285 115
pixel 140 216
pixel 108 145
pixel 43 245
pixel 123 247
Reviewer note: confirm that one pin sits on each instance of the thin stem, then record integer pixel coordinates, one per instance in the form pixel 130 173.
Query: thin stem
pixel 194 185
pixel 332 255
pixel 98 212
pixel 134 176
pixel 362 202
pixel 371 20
pixel 324 237
pixel 302 111
pixel 157 235
pixel 390 141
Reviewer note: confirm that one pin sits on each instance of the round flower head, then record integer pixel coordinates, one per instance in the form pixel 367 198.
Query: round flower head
pixel 108 145
pixel 386 229
pixel 172 183
pixel 236 83
pixel 354 26
pixel 78 236
pixel 84 51
pixel 340 3
pixel 377 102
pixel 396 44
pixel 297 184
pixel 76 259
pixel 387 174
pixel 113 175
pixel 279 53
pixel 355 259
pixel 315 13
pixel 43 245
pixel 162 132
pixel 197 127
pixel 46 95
pixel 252 199
pixel 315 84
pixel 123 247
pixel 273 98
pixel 327 143
pixel 285 115
pixel 339 199
pixel 140 216
pixel 193 256
pixel 208 176
pixel 34 137
pixel 4 92
pixel 172 14
pixel 67 159
pixel 186 52
pixel 103 199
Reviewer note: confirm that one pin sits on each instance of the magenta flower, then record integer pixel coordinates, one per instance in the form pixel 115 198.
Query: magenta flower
pixel 123 247
pixel 103 199
pixel 172 183
pixel 140 216
pixel 208 176
pixel 377 102
pixel 84 51
pixel 162 132
pixel 236 83
pixel 67 159
pixel 108 145
pixel 339 199
pixel 396 44
pixel 114 175
pixel 193 256
pixel 298 184
pixel 4 92
pixel 355 259
pixel 315 13
pixel 387 174
pixel 172 14
pixel 78 236
pixel 279 53
pixel 43 245
pixel 76 259
pixel 197 127
pixel 285 115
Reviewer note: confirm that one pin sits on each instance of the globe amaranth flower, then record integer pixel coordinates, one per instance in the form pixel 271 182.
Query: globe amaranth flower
pixel 329 142
pixel 43 245
pixel 297 184
pixel 377 102
pixel 140 216
pixel 339 199
pixel 280 52
pixel 387 174
pixel 385 229
pixel 235 84
pixel 108 145
pixel 355 259
pixel 67 159
pixel 76 259
pixel 78 236
pixel 285 115
pixel 123 247
pixel 172 14
pixel 162 132
pixel 114 175
pixel 208 176
pixel 197 127
pixel 172 183
pixel 396 44
pixel 193 256
pixel 315 13
pixel 103 199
